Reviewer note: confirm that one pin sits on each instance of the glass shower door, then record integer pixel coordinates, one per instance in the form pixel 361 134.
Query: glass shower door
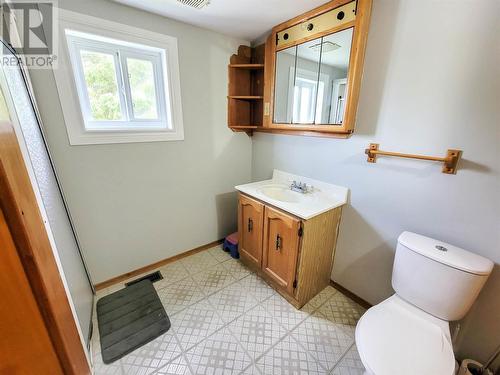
pixel 23 114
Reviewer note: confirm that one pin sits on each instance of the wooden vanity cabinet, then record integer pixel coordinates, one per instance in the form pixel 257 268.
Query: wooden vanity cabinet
pixel 250 219
pixel 280 247
pixel 293 255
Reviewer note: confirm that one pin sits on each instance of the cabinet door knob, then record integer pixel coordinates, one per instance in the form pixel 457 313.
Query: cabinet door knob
pixel 279 241
pixel 250 225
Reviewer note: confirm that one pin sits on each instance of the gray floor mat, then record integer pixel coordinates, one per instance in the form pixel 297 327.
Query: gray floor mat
pixel 130 318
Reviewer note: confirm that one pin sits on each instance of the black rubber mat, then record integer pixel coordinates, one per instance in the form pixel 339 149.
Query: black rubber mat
pixel 130 318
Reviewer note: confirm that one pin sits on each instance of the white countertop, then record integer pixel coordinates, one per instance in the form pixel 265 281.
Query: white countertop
pixel 322 198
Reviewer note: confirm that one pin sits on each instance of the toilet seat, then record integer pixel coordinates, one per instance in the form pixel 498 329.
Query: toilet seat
pixel 395 337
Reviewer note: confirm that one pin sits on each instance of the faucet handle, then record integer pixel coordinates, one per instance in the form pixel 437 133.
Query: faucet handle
pixel 307 188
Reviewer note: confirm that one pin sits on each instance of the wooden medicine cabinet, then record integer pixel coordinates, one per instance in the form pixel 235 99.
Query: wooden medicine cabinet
pixel 312 70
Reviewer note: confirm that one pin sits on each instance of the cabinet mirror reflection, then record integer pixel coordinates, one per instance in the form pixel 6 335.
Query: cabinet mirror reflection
pixel 311 80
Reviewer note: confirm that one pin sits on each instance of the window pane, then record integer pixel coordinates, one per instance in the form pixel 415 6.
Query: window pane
pixel 142 88
pixel 100 78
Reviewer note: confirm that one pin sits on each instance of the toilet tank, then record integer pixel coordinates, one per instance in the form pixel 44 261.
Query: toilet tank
pixel 437 277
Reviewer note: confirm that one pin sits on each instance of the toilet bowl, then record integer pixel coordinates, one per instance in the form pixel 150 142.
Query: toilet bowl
pixel 408 333
pixel 395 337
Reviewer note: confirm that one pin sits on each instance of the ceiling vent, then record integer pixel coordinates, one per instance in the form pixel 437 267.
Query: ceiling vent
pixel 327 47
pixel 198 4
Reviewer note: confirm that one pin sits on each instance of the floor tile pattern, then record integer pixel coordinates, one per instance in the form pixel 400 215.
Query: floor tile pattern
pixel 195 323
pixel 178 366
pixel 171 273
pixel 199 262
pixel 214 279
pixel 180 295
pixel 350 364
pixel 257 331
pixel 237 269
pixel 227 320
pixel 220 353
pixel 232 302
pixel 324 340
pixel 256 287
pixel 152 356
pixel 288 357
pixel 285 313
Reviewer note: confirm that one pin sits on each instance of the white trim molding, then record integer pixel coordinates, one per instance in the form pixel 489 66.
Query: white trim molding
pixel 66 83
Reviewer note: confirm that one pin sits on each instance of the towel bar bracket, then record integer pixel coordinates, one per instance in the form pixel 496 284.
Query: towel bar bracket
pixel 450 161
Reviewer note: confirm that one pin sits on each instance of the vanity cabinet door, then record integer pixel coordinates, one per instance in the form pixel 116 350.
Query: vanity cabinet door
pixel 250 219
pixel 281 245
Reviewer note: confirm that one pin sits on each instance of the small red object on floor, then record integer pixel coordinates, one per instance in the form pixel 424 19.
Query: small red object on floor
pixel 231 245
pixel 233 238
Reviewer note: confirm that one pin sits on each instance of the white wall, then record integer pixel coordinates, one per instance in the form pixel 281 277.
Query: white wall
pixel 135 204
pixel 431 82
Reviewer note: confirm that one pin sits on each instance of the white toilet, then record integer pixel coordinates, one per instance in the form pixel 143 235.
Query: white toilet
pixel 408 333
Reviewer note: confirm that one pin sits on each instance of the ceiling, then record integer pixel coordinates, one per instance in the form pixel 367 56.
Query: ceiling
pixel 249 20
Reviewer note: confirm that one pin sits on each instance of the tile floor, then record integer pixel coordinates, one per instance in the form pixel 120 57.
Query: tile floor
pixel 226 320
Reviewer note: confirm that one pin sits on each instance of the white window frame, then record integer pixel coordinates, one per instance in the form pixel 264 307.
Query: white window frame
pixel 120 51
pixel 123 41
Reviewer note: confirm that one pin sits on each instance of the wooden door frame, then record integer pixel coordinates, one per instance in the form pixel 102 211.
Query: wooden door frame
pixel 20 206
pixel 20 317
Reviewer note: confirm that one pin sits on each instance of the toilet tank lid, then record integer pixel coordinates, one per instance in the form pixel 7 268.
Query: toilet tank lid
pixel 446 254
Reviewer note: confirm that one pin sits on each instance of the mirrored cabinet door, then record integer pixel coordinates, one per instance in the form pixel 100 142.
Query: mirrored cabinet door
pixel 311 81
pixel 305 87
pixel 284 81
pixel 335 53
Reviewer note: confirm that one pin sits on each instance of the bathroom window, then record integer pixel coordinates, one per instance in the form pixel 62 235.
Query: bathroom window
pixel 125 82
pixel 120 87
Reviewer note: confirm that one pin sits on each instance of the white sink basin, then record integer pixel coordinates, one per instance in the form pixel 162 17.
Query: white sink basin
pixel 282 193
pixel 276 192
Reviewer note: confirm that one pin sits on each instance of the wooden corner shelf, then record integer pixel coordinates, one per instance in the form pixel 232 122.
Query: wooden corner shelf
pixel 246 66
pixel 246 89
pixel 241 127
pixel 246 97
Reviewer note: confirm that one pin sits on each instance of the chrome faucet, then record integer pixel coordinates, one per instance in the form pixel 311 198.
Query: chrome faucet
pixel 300 187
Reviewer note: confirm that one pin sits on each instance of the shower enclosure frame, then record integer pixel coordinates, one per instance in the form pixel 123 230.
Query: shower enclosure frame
pixel 19 204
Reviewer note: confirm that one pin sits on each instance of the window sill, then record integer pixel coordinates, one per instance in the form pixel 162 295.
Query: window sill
pixel 126 126
pixel 124 136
